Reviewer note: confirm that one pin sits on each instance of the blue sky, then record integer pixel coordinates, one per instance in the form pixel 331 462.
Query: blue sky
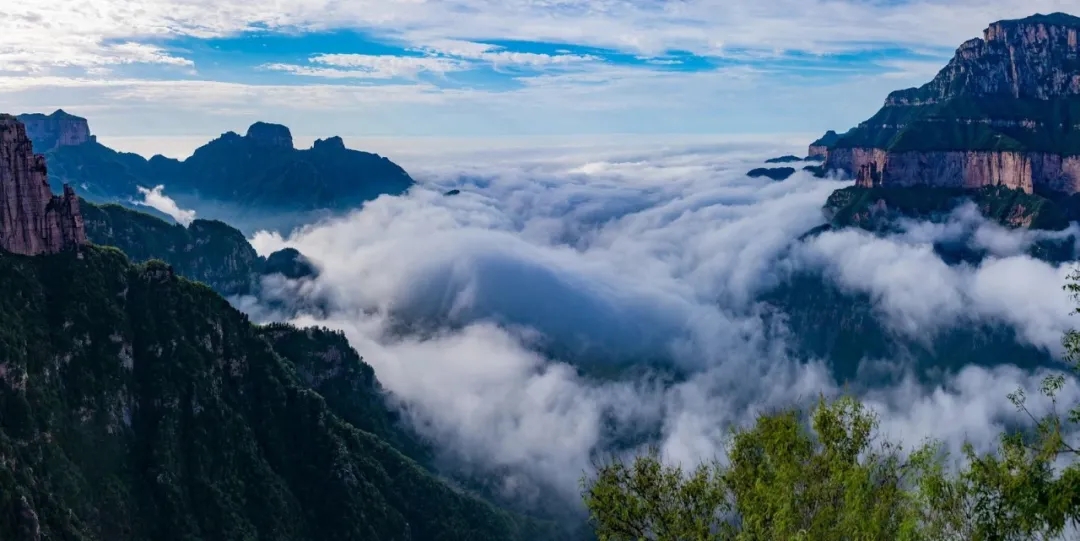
pixel 457 68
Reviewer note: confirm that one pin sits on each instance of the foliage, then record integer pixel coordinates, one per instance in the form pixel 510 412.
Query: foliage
pixel 828 140
pixel 782 481
pixel 138 405
pixel 836 479
pixel 876 208
pixel 207 251
pixel 985 123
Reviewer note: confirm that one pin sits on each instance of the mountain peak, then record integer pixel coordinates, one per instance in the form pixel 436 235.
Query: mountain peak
pixel 1033 58
pixel 334 142
pixel 275 135
pixel 59 129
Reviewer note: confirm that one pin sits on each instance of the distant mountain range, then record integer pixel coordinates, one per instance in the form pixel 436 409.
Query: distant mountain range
pixel 257 178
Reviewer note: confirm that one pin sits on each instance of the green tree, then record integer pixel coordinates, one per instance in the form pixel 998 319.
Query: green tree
pixel 835 478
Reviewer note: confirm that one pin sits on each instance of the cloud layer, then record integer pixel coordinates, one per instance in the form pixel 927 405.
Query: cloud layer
pixel 155 198
pixel 490 315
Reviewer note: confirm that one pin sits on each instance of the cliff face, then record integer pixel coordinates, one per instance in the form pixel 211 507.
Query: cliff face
pixel 59 129
pixel 32 220
pixel 961 169
pixel 820 149
pixel 1005 111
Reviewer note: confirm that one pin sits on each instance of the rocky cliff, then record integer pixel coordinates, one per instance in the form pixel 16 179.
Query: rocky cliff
pixel 32 220
pixel 59 129
pixel 820 148
pixel 1005 111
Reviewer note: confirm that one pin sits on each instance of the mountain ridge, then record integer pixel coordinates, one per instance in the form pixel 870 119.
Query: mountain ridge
pixel 259 173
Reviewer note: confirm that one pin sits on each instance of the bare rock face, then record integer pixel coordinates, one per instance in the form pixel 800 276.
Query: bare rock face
pixel 59 129
pixel 999 114
pixel 1025 171
pixel 1032 58
pixel 32 220
pixel 272 135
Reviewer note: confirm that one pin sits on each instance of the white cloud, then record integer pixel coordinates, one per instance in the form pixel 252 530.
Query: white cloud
pixel 499 56
pixel 458 56
pixel 62 33
pixel 658 253
pixel 156 198
pixel 371 66
pixel 919 294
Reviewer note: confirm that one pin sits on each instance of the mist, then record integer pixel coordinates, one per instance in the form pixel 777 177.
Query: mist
pixel 155 198
pixel 506 321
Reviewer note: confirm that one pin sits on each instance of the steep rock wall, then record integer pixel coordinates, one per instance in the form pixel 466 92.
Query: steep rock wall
pixel 32 220
pixel 59 129
pixel 1026 171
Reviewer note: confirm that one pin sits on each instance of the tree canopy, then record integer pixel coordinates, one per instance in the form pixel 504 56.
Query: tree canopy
pixel 828 473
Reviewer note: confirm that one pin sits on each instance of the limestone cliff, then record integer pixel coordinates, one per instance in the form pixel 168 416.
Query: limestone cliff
pixel 820 148
pixel 1005 111
pixel 32 220
pixel 59 129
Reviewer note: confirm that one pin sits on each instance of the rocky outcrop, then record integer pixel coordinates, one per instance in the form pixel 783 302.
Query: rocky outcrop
pixel 820 148
pixel 32 220
pixel 1001 113
pixel 330 143
pixel 271 135
pixel 59 129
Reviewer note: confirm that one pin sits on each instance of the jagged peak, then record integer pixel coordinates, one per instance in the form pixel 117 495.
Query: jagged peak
pixel 334 142
pixel 269 134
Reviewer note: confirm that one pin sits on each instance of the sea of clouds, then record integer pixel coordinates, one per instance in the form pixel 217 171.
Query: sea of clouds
pixel 634 254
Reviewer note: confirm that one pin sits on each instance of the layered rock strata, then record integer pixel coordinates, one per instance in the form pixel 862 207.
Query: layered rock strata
pixel 32 220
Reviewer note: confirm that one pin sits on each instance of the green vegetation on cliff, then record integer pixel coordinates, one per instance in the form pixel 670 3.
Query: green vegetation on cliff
pixel 137 405
pixel 987 123
pixel 207 251
pixel 875 208
pixel 1014 89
